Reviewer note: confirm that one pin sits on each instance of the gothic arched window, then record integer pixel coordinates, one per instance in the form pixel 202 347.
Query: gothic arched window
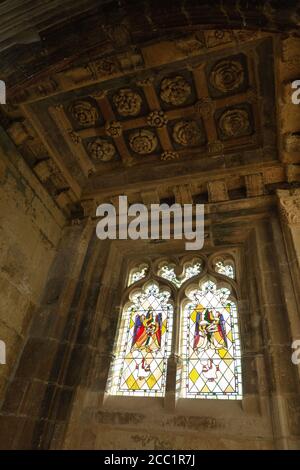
pixel 202 292
pixel 144 342
pixel 210 343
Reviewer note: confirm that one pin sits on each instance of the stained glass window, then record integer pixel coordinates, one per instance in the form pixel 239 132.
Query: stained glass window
pixel 167 271
pixel 137 274
pixel 210 344
pixel 144 343
pixel 224 268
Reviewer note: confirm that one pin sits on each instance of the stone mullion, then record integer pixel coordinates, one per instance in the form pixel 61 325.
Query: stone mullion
pixel 173 362
pixel 277 338
pixel 253 358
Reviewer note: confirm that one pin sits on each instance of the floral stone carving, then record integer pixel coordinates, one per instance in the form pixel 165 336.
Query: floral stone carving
pixel 127 102
pixel 234 123
pixel 157 119
pixel 187 133
pixel 101 150
pixel 84 113
pixel 143 141
pixel 169 155
pixel 227 75
pixel 113 128
pixel 175 91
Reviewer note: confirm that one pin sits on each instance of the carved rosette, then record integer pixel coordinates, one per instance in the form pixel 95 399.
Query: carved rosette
pixel 157 119
pixel 101 150
pixel 289 205
pixel 175 91
pixel 143 141
pixel 84 113
pixel 187 133
pixel 227 75
pixel 113 129
pixel 234 123
pixel 127 102
pixel 169 155
pixel 205 107
pixel 75 138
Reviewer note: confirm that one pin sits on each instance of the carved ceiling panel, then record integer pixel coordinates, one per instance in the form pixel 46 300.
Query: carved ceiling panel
pixel 204 100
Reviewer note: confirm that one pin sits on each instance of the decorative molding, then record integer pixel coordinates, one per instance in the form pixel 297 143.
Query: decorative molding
pixel 289 205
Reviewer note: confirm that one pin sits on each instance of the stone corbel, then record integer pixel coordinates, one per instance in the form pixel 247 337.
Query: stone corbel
pixel 255 185
pixel 150 197
pixel 217 191
pixel 89 207
pixel 289 205
pixel 183 194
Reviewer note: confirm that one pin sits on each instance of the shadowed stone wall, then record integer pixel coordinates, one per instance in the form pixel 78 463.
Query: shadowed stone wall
pixel 30 229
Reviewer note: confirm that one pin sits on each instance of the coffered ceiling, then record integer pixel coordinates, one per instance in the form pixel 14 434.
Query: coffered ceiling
pixel 189 105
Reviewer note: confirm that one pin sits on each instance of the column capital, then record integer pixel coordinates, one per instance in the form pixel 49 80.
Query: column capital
pixel 289 205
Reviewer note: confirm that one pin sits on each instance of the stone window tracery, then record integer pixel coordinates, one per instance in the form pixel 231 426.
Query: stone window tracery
pixel 202 291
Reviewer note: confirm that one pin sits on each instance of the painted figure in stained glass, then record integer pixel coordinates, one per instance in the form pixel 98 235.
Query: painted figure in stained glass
pixel 145 342
pixel 211 345
pixel 210 335
pixel 147 339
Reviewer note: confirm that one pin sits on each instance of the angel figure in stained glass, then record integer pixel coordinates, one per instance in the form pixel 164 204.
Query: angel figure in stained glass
pixel 209 337
pixel 146 340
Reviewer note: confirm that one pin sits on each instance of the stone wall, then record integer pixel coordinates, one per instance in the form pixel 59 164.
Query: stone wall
pixel 57 395
pixel 30 229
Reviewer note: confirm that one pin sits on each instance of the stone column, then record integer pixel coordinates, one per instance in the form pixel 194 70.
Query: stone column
pixel 289 208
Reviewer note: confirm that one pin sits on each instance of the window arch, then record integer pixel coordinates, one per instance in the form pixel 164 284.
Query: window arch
pixel 202 291
pixel 210 343
pixel 144 342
